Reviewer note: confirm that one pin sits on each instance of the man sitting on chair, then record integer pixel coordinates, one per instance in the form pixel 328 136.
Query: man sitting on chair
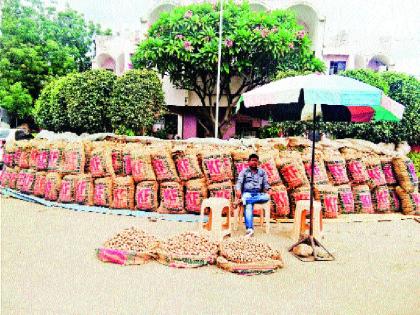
pixel 252 187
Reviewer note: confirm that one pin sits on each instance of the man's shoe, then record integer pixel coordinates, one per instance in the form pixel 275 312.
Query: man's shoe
pixel 249 233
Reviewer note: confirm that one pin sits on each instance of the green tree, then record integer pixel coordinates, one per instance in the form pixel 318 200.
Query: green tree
pixel 37 43
pixel 88 99
pixel 256 45
pixel 137 101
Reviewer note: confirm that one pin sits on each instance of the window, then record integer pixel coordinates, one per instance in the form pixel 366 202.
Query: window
pixel 337 66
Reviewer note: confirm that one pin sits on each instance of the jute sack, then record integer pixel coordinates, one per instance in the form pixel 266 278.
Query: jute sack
pixel 362 199
pixel 68 189
pixel 320 173
pixel 356 168
pixel 292 170
pixel 250 269
pixel 328 195
pixel 345 199
pixel 84 189
pixel 164 166
pixel 171 198
pixel 33 154
pixel 187 165
pixel 221 190
pixel 55 158
pixel 9 154
pixel 410 201
pixel 117 158
pixel 73 158
pixel 280 201
pixel 39 185
pixel 102 193
pixel 25 148
pixel 240 160
pixel 17 153
pixel 380 199
pixel 336 168
pixel 11 178
pixel 388 170
pixel 268 164
pixel 406 173
pixel 100 163
pixel 394 200
pixel 20 180
pixel 4 178
pixel 52 186
pixel 146 196
pixel 195 193
pixel 28 181
pixel 374 170
pixel 42 157
pixel 139 165
pixel 216 167
pixel 123 193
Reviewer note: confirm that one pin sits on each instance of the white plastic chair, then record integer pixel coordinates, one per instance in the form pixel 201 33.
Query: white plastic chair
pixel 215 223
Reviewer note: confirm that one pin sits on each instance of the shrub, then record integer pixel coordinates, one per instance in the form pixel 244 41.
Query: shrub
pixel 137 101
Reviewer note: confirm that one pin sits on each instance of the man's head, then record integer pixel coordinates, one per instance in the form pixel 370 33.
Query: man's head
pixel 253 161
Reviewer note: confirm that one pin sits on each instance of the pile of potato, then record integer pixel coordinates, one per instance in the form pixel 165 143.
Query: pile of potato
pixel 247 250
pixel 190 244
pixel 132 239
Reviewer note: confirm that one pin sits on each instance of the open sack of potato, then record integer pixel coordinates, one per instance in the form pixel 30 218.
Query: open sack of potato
pixel 188 250
pixel 132 246
pixel 248 256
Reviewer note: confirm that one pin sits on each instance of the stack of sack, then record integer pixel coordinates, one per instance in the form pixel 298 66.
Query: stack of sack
pixel 350 176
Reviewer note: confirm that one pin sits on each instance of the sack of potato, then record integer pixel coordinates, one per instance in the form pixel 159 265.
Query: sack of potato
pixel 123 193
pixel 406 173
pixel 394 200
pixel 68 189
pixel 73 158
pixel 280 201
pixel 39 185
pixel 195 193
pixel 217 167
pixel 248 256
pixel 362 199
pixel 187 165
pixel 328 195
pixel 146 197
pixel 100 162
pixel 388 170
pixel 130 247
pixel 55 157
pixel 410 201
pixel 84 189
pixel 164 166
pixel 336 168
pixel 356 169
pixel 9 154
pixel 292 170
pixel 380 199
pixel 102 193
pixel 374 170
pixel 171 198
pixel 52 186
pixel 188 250
pixel 345 199
pixel 28 181
pixel 320 173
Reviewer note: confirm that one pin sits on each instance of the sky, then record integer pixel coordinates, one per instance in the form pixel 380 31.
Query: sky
pixel 114 14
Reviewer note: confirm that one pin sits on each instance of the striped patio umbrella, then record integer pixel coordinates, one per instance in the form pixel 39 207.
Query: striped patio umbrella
pixel 340 99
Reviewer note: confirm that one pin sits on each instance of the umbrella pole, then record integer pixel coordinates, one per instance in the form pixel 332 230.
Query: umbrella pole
pixel 310 239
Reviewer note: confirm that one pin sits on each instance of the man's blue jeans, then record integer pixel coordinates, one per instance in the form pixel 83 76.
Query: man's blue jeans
pixel 249 199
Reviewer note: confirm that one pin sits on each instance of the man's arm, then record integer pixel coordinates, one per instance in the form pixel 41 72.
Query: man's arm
pixel 266 185
pixel 239 183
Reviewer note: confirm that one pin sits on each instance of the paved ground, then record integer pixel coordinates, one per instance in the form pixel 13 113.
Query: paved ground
pixel 48 266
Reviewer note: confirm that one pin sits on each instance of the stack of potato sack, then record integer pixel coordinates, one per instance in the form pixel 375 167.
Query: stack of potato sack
pixel 188 166
pixel 326 183
pixel 408 189
pixel 218 171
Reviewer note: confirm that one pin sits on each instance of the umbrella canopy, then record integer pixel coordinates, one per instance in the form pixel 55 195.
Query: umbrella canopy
pixel 362 102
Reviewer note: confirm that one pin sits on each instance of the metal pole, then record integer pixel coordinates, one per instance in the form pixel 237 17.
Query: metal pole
pixel 219 62
pixel 311 202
